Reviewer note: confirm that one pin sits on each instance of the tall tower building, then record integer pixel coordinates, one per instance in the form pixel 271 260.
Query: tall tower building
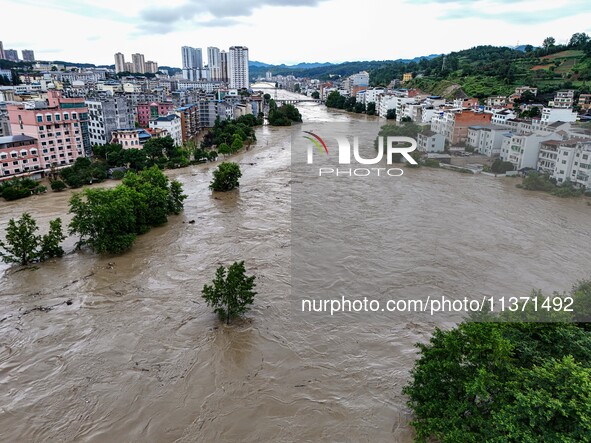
pixel 192 63
pixel 119 63
pixel 214 63
pixel 11 54
pixel 28 55
pixel 2 55
pixel 238 67
pixel 224 76
pixel 139 64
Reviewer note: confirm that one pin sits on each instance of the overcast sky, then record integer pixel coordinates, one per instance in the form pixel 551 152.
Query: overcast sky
pixel 283 31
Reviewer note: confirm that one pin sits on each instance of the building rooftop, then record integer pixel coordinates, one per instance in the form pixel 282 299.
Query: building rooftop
pixel 15 139
pixel 167 118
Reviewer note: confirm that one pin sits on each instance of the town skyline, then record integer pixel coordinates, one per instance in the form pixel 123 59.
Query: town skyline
pixel 288 33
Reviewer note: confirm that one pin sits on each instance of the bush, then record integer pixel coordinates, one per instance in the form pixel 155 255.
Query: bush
pixel 226 177
pixel 58 185
pixel 501 167
pixel 20 188
pixel 117 174
pixel 231 292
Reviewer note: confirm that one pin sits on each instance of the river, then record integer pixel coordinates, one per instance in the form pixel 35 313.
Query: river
pixel 136 356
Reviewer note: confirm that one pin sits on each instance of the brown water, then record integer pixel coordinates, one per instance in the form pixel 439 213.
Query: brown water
pixel 138 357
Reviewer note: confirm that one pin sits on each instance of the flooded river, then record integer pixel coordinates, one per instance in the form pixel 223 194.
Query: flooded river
pixel 129 352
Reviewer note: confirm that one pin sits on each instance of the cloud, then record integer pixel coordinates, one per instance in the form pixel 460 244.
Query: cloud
pixel 211 13
pixel 522 15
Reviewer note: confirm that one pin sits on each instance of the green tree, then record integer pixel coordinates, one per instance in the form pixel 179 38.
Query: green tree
pixel 58 185
pixel 176 198
pixel 391 114
pixel 371 108
pixel 548 43
pixel 224 149
pixel 226 177
pixel 315 95
pixel 51 242
pixel 24 246
pixel 231 292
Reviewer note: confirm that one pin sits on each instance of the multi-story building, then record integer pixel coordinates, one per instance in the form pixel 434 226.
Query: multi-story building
pixel 238 67
pixel 563 100
pixel 130 137
pixel 11 55
pixel 106 114
pixel 139 64
pixel 454 124
pixel 7 73
pixel 119 63
pixel 486 140
pixel 522 89
pixel 523 150
pixel 214 63
pixel 4 120
pixel 151 67
pixel 189 115
pixel 28 55
pixel 128 67
pixel 19 156
pixel 548 160
pixel 150 111
pixel 2 54
pixel 356 82
pixel 551 115
pixel 192 60
pixel 430 141
pixel 59 124
pixel 501 117
pixel 585 102
pixel 172 125
pixel 580 173
pixel 225 76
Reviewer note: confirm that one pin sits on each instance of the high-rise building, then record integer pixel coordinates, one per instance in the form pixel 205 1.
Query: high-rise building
pixel 2 55
pixel 151 67
pixel 238 67
pixel 119 63
pixel 28 55
pixel 11 55
pixel 214 63
pixel 224 76
pixel 139 64
pixel 192 63
pixel 128 67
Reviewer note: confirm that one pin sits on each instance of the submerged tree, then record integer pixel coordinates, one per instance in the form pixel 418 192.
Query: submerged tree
pixel 231 292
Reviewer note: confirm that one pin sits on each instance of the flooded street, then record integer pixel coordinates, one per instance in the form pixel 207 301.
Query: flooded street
pixel 137 356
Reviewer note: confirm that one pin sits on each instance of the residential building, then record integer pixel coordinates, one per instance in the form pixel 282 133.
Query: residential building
pixel 224 70
pixel 407 76
pixel 548 158
pixel 139 64
pixel 106 114
pixel 11 55
pixel 523 150
pixel 585 102
pixel 581 171
pixel 497 101
pixel 170 123
pixel 128 67
pixel 522 89
pixel 151 67
pixel 192 60
pixel 59 124
pixel 356 82
pixel 487 140
pixel 149 111
pixel 28 55
pixel 501 117
pixel 238 67
pixel 189 115
pixel 430 141
pixel 7 73
pixel 19 155
pixel 214 63
pixel 130 138
pixel 4 120
pixel 2 54
pixel 454 124
pixel 563 99
pixel 120 63
pixel 551 115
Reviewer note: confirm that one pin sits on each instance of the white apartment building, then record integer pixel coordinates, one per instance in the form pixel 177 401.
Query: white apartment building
pixel 551 115
pixel 106 114
pixel 549 161
pixel 369 95
pixel 430 141
pixel 501 117
pixel 238 67
pixel 523 150
pixel 563 99
pixel 170 123
pixel 487 140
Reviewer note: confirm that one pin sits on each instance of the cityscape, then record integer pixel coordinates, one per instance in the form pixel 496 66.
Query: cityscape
pixel 376 236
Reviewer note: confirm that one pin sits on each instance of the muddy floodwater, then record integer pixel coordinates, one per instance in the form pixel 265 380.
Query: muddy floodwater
pixel 123 349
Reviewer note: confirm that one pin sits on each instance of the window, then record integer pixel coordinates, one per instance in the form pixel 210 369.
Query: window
pixel 57 117
pixel 66 116
pixel 74 116
pixel 39 119
pixel 48 117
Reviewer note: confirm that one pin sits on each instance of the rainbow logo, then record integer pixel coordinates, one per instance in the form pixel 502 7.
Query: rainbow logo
pixel 317 141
